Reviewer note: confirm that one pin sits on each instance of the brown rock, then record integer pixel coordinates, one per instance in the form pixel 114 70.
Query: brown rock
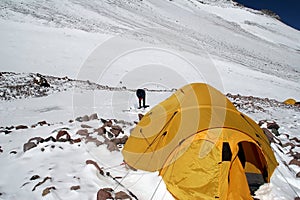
pixel 116 130
pixel 122 195
pixel 28 145
pixel 103 195
pixel 75 187
pixel 288 144
pixel 41 123
pixel 47 190
pixel 298 175
pixel 111 146
pixel 100 130
pixel 107 123
pixel 83 132
pixel 295 162
pixel 140 116
pixel 37 139
pixel 21 127
pixel 93 116
pixel 85 118
pixel 272 125
pixel 62 133
pixel 85 126
pixel 296 139
pixel 95 140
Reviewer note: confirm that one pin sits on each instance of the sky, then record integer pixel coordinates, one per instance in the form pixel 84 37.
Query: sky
pixel 288 10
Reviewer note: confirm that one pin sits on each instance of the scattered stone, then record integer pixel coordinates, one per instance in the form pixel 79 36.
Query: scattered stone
pixel 295 162
pixel 1 150
pixel 37 139
pixel 111 146
pixel 95 140
pixel 21 127
pixel 96 165
pixel 120 140
pixel 40 183
pixel 50 138
pixel 85 126
pixel 75 187
pixel 298 175
pixel 76 140
pixel 47 190
pixel 28 145
pixel 34 177
pixel 93 116
pixel 110 135
pixel 62 133
pixel 116 130
pixel 295 139
pixel 42 123
pixel 140 116
pixel 83 132
pixel 100 130
pixel 272 125
pixel 288 144
pixel 107 123
pixel 85 118
pixel 104 195
pixel 122 195
pixel 13 152
pixel 79 119
pixel 71 121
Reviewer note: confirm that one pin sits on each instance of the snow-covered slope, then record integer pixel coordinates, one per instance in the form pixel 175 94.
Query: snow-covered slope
pixel 124 45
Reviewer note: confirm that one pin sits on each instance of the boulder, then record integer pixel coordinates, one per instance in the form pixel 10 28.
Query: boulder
pixel 75 187
pixel 85 118
pixel 122 195
pixel 21 127
pixel 103 194
pixel 100 130
pixel 28 145
pixel 83 132
pixel 116 130
pixel 85 126
pixel 93 116
pixel 295 162
pixel 62 133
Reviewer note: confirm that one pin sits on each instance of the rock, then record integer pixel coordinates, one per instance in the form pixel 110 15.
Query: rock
pixel 79 119
pixel 42 123
pixel 140 116
pixel 75 187
pixel 76 140
pixel 275 131
pixel 71 121
pixel 295 162
pixel 296 155
pixel 85 126
pixel 120 140
pixel 103 194
pixel 93 116
pixel 296 139
pixel 100 130
pixel 62 133
pixel 107 123
pixel 111 146
pixel 37 139
pixel 122 195
pixel 21 127
pixel 85 118
pixel 50 138
pixel 83 132
pixel 91 139
pixel 116 130
pixel 34 177
pixel 47 190
pixel 272 125
pixel 298 175
pixel 288 144
pixel 28 145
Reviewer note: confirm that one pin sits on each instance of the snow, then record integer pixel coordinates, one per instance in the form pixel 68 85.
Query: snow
pixel 158 45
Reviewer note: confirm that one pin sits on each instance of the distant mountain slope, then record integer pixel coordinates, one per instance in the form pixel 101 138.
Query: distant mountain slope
pixel 221 28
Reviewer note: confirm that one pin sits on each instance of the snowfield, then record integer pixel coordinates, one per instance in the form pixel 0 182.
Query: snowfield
pixel 95 54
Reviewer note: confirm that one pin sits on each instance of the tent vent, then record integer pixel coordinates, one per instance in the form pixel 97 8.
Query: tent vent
pixel 226 152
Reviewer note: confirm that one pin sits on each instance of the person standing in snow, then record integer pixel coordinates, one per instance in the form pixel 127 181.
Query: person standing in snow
pixel 141 94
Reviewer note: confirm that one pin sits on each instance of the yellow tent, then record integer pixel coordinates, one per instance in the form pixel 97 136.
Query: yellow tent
pixel 202 146
pixel 290 102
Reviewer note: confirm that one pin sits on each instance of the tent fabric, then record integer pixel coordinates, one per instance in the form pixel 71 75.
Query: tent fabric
pixel 290 102
pixel 201 145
